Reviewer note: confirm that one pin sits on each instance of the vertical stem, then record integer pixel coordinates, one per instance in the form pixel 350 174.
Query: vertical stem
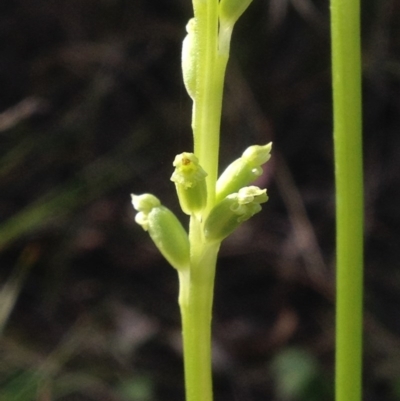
pixel 346 66
pixel 197 283
pixel 209 90
pixel 195 300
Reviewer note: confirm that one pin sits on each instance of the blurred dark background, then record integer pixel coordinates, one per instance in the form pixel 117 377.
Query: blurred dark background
pixel 92 108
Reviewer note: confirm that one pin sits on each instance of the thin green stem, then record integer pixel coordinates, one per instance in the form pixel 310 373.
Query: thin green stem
pixel 195 300
pixel 346 67
pixel 209 90
pixel 197 282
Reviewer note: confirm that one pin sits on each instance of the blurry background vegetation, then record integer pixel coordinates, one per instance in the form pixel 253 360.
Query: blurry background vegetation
pixel 92 108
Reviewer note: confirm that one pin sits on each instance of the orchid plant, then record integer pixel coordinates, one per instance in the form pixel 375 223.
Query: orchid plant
pixel 216 206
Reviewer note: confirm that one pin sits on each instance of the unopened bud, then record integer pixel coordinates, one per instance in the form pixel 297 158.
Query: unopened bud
pixel 190 182
pixel 232 211
pixel 231 10
pixel 189 63
pixel 243 171
pixel 164 228
pixel 229 13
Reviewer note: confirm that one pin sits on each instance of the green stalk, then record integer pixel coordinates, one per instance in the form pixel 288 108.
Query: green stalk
pixel 346 67
pixel 209 91
pixel 195 300
pixel 205 54
pixel 197 284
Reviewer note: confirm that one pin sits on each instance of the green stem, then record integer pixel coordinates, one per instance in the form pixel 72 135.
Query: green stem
pixel 195 300
pixel 209 91
pixel 197 282
pixel 346 66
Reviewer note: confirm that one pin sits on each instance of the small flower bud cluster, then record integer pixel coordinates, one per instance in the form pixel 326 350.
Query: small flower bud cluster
pixel 235 203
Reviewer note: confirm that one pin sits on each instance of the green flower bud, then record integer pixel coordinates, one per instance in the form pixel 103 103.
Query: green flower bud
pixel 190 183
pixel 243 171
pixel 144 203
pixel 189 58
pixel 236 208
pixel 231 10
pixel 164 228
pixel 229 13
